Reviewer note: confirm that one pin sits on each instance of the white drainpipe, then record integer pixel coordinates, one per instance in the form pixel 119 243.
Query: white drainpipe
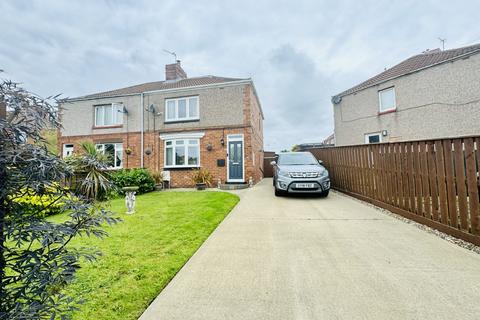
pixel 142 129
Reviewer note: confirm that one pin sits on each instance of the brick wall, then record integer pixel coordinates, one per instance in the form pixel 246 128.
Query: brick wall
pixel 131 140
pixel 180 177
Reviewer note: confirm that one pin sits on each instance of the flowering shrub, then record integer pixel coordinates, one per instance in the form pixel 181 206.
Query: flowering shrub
pixel 46 203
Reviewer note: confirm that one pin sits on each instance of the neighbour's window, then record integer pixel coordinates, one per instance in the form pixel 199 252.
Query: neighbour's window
pixel 114 151
pixel 387 100
pixel 373 138
pixel 182 153
pixel 181 109
pixel 67 150
pixel 108 114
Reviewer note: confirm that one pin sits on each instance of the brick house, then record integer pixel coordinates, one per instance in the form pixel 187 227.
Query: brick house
pixel 435 94
pixel 179 124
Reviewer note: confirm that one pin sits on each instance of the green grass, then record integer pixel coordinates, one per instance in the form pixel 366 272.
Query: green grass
pixel 145 251
pixel 51 136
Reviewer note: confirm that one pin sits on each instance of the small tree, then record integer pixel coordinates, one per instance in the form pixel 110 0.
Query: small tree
pixel 36 262
pixel 296 148
pixel 89 169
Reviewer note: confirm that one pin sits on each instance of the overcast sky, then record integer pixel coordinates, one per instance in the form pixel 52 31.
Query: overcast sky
pixel 299 53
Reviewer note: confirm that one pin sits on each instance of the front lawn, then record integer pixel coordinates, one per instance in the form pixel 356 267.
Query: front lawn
pixel 143 253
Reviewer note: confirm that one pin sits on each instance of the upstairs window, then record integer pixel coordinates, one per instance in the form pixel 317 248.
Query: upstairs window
pixel 181 109
pixel 109 115
pixel 114 152
pixel 182 153
pixel 387 100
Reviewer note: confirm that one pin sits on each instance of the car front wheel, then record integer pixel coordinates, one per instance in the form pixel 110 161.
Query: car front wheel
pixel 278 193
pixel 324 194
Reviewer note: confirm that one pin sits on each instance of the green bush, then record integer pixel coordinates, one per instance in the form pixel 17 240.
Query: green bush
pixel 133 177
pixel 50 202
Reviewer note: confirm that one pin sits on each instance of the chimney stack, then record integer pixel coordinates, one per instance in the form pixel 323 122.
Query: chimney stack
pixel 174 72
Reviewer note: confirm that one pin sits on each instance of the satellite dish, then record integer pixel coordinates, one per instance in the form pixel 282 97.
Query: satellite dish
pixel 336 99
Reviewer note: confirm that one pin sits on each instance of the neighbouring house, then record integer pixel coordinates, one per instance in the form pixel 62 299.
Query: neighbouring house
pixel 176 125
pixel 307 146
pixel 431 95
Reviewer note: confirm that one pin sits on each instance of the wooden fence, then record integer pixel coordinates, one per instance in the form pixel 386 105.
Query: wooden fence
pixel 268 156
pixel 434 182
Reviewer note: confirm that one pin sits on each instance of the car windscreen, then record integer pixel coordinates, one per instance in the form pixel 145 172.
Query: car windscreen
pixel 296 159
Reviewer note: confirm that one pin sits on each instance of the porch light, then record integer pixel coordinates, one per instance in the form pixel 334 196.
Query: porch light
pixel 222 141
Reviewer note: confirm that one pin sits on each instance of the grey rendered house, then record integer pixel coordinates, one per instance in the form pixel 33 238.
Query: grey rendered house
pixel 431 95
pixel 175 125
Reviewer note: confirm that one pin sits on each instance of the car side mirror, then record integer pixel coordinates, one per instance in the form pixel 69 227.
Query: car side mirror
pixel 320 162
pixel 273 163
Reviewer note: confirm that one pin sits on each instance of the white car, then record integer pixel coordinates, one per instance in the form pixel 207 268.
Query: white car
pixel 300 172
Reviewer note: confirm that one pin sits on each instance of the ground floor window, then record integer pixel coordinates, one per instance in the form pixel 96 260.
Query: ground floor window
pixel 373 137
pixel 182 153
pixel 67 150
pixel 114 151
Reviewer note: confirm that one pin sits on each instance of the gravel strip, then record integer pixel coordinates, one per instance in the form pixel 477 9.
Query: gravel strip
pixel 449 238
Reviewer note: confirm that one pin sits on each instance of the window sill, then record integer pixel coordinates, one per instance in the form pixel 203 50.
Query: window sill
pixel 386 112
pixel 180 121
pixel 108 127
pixel 113 168
pixel 181 168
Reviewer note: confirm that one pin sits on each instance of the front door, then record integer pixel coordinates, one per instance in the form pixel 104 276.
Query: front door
pixel 235 161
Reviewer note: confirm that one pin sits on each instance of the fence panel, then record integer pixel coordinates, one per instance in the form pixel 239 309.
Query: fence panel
pixel 434 182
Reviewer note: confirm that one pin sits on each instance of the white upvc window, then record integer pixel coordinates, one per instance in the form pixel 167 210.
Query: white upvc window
pixel 375 137
pixel 108 114
pixel 67 150
pixel 386 100
pixel 114 151
pixel 181 109
pixel 182 153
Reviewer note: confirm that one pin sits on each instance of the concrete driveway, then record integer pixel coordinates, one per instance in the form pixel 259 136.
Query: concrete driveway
pixel 311 258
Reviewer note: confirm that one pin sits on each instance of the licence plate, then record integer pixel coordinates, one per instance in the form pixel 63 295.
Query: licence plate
pixel 305 185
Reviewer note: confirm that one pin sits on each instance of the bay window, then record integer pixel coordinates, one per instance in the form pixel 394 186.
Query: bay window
pixel 114 152
pixel 181 109
pixel 182 153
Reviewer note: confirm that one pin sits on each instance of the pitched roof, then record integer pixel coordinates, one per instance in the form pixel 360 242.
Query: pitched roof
pixel 159 85
pixel 413 64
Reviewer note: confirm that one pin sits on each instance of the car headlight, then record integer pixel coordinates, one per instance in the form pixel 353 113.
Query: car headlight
pixel 283 173
pixel 324 173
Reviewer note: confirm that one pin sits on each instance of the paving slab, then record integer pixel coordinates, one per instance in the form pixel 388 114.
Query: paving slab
pixel 320 258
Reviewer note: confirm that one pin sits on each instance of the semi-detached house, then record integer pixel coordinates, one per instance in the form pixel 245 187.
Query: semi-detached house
pixel 435 94
pixel 176 125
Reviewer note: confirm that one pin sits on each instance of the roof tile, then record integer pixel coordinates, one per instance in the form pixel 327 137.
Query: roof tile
pixel 159 85
pixel 412 64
